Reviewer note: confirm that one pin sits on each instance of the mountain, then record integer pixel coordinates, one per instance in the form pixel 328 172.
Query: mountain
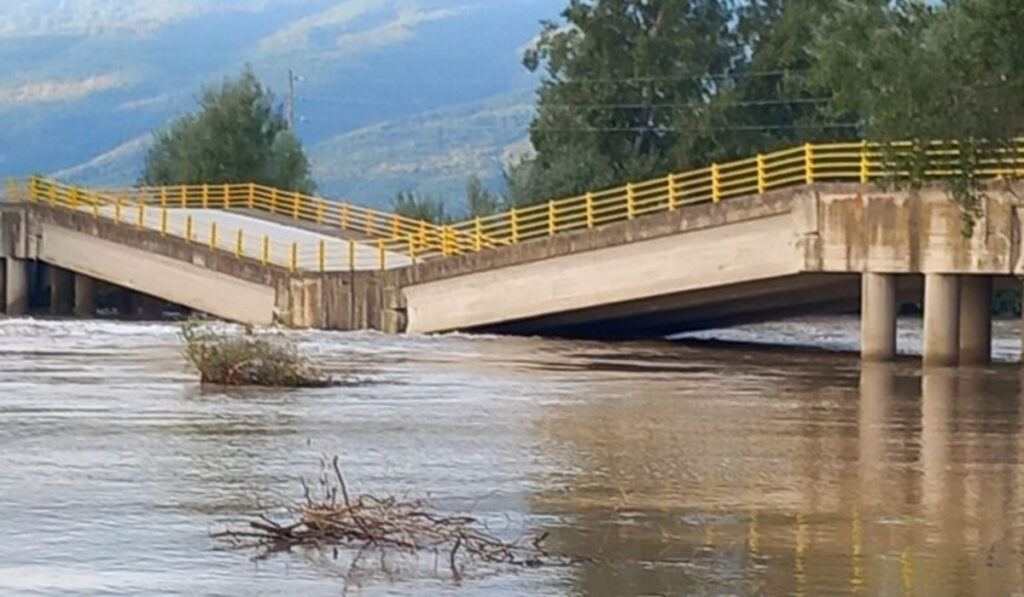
pixel 390 94
pixel 434 152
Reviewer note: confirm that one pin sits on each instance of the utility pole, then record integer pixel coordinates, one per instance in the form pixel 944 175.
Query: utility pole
pixel 291 100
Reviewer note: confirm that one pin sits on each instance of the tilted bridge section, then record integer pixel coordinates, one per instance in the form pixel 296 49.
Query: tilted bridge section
pixel 780 234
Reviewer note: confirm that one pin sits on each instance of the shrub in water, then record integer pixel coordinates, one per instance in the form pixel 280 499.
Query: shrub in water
pixel 248 358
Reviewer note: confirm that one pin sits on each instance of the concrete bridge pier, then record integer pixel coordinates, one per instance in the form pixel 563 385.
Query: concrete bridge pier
pixel 878 317
pixel 975 320
pixel 16 287
pixel 941 320
pixel 85 296
pixel 61 291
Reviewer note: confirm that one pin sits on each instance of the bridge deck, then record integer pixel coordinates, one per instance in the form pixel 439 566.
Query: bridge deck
pixel 246 235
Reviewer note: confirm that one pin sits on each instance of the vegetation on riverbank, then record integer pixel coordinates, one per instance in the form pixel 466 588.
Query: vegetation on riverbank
pixel 248 358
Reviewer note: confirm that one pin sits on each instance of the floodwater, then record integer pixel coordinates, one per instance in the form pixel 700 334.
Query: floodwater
pixel 675 468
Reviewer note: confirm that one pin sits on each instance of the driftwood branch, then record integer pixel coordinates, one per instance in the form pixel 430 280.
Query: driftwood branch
pixel 385 524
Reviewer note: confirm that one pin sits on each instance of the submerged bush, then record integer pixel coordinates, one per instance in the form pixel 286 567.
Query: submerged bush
pixel 248 358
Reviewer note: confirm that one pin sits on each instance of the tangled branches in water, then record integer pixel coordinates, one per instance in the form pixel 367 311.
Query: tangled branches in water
pixel 334 519
pixel 248 358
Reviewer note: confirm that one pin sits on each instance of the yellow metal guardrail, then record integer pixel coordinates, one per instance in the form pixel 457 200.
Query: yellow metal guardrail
pixel 204 228
pixel 823 162
pixel 391 240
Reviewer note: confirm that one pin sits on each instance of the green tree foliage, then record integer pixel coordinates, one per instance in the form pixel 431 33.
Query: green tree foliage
pixel 237 135
pixel 416 206
pixel 635 88
pixel 480 201
pixel 925 72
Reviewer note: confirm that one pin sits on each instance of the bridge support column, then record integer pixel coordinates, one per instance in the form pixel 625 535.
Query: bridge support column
pixel 61 289
pixel 85 296
pixel 941 320
pixel 975 320
pixel 16 291
pixel 878 317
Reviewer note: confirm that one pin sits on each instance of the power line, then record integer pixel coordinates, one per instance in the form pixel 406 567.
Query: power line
pixel 795 101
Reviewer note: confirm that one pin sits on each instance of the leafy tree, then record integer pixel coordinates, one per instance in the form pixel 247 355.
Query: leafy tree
pixel 636 88
pixel 415 206
pixel 480 201
pixel 924 72
pixel 237 135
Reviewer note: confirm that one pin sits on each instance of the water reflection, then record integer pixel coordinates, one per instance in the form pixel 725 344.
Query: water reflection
pixel 893 482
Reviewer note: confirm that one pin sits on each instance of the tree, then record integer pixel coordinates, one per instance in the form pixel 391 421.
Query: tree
pixel 419 207
pixel 637 88
pixel 930 73
pixel 237 135
pixel 480 201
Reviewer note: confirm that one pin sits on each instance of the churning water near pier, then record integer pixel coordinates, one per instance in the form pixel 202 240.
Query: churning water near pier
pixel 679 468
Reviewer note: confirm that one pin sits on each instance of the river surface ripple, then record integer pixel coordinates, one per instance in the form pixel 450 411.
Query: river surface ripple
pixel 681 468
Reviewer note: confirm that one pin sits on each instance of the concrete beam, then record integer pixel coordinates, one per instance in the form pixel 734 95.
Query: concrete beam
pixel 85 296
pixel 941 320
pixel 61 291
pixel 976 320
pixel 16 291
pixel 878 317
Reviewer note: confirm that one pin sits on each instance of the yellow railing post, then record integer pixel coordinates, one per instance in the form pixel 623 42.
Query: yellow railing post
pixel 673 193
pixel 142 216
pixel 273 201
pixel 74 198
pixel 513 219
pixel 184 196
pixel 552 219
pixel 322 256
pixel 630 201
pixel 188 228
pixel 227 196
pixel 865 163
pixel 423 233
pixel 117 212
pixel 762 177
pixel 95 207
pixel 296 201
pixel 382 255
pixel 809 163
pixel 52 195
pixel 294 263
pixel 478 234
pixel 163 221
pixel 239 243
pixel 412 249
pixel 395 226
pixel 716 183
pixel 163 197
pixel 213 235
pixel 251 199
pixel 33 188
pixel 351 255
pixel 590 210
pixel 369 223
pixel 344 216
pixel 265 250
pixel 206 196
pixel 320 212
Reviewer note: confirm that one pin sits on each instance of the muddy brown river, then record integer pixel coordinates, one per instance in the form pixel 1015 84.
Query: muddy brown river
pixel 708 468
